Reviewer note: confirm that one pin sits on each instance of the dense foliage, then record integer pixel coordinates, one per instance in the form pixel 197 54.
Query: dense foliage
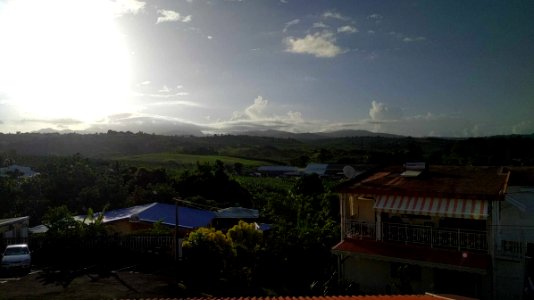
pixel 294 149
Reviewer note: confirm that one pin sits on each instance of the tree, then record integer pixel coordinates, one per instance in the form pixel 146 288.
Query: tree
pixel 207 253
pixel 60 222
pixel 247 242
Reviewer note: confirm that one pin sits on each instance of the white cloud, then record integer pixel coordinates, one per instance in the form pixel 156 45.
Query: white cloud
pixel 371 32
pixel 128 7
pixel 319 25
pixel 257 116
pixel 319 44
pixel 413 39
pixel 164 89
pixel 187 19
pixel 171 16
pixel 289 24
pixel 254 111
pixel 146 82
pixel 381 112
pixel 335 15
pixel 347 29
pixel 209 37
pixel 375 17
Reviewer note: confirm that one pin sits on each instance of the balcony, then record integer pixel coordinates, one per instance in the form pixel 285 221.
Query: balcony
pixel 445 238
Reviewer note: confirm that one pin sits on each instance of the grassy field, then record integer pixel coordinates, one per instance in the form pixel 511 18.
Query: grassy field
pixel 183 161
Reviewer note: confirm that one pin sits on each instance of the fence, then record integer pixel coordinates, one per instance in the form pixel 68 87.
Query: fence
pixel 436 237
pixel 418 234
pixel 139 243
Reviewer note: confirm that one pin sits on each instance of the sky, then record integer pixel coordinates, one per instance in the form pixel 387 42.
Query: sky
pixel 414 68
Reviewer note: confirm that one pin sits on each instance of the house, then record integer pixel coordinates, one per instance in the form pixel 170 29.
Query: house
pixel 18 171
pixel 278 171
pixel 14 230
pixel 421 228
pixel 140 217
pixel 227 217
pixel 514 237
pixel 334 170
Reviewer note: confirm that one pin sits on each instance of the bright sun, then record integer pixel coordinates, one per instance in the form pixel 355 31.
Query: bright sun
pixel 63 59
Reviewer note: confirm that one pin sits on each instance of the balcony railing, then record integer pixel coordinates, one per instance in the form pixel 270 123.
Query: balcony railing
pixel 360 230
pixel 435 237
pixel 423 235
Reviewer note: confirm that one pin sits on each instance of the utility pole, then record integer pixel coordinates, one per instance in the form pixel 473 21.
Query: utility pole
pixel 176 228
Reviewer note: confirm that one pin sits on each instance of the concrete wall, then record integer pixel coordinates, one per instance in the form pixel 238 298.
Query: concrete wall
pixel 378 277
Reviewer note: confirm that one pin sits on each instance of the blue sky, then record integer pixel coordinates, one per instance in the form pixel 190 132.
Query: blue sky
pixel 417 68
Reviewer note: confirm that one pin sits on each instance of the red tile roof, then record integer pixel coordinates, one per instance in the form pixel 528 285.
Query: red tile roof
pixel 439 258
pixel 426 296
pixel 483 183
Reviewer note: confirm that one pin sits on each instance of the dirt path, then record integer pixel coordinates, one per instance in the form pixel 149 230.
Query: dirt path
pixel 124 284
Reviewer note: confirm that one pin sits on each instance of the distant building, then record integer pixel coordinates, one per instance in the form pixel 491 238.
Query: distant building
pixel 18 171
pixel 14 230
pixel 333 170
pixel 278 170
pixel 142 217
pixel 228 217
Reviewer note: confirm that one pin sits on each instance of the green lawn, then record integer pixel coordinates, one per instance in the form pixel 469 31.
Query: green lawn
pixel 178 160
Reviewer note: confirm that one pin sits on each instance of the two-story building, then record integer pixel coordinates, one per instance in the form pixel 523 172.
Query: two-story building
pixel 416 228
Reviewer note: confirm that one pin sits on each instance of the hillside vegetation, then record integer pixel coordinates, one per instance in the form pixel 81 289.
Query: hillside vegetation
pixel 173 150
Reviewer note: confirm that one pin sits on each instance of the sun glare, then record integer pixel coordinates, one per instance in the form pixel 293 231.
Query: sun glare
pixel 63 59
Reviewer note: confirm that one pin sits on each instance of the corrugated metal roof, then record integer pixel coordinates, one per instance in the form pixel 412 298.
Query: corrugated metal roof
pixel 160 212
pixel 319 169
pixel 277 169
pixel 426 296
pixel 521 197
pixel 13 220
pixel 125 213
pixel 237 213
pixel 187 217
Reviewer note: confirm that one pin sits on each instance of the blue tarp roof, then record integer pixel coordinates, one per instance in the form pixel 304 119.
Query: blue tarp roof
pixel 187 217
pixel 160 212
pixel 125 213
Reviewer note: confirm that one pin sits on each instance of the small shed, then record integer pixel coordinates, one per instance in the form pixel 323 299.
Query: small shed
pixel 227 217
pixel 14 229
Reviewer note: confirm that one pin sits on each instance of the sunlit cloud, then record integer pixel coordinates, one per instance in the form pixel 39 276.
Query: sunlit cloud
pixel 347 29
pixel 335 15
pixel 319 44
pixel 319 25
pixel 258 116
pixel 381 112
pixel 123 7
pixel 171 16
pixel 289 24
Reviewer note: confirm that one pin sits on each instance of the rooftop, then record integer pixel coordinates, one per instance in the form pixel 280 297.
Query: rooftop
pixel 484 183
pixel 426 296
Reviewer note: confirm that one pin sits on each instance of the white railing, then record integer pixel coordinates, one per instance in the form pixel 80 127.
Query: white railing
pixel 459 239
pixel 355 229
pixel 436 237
